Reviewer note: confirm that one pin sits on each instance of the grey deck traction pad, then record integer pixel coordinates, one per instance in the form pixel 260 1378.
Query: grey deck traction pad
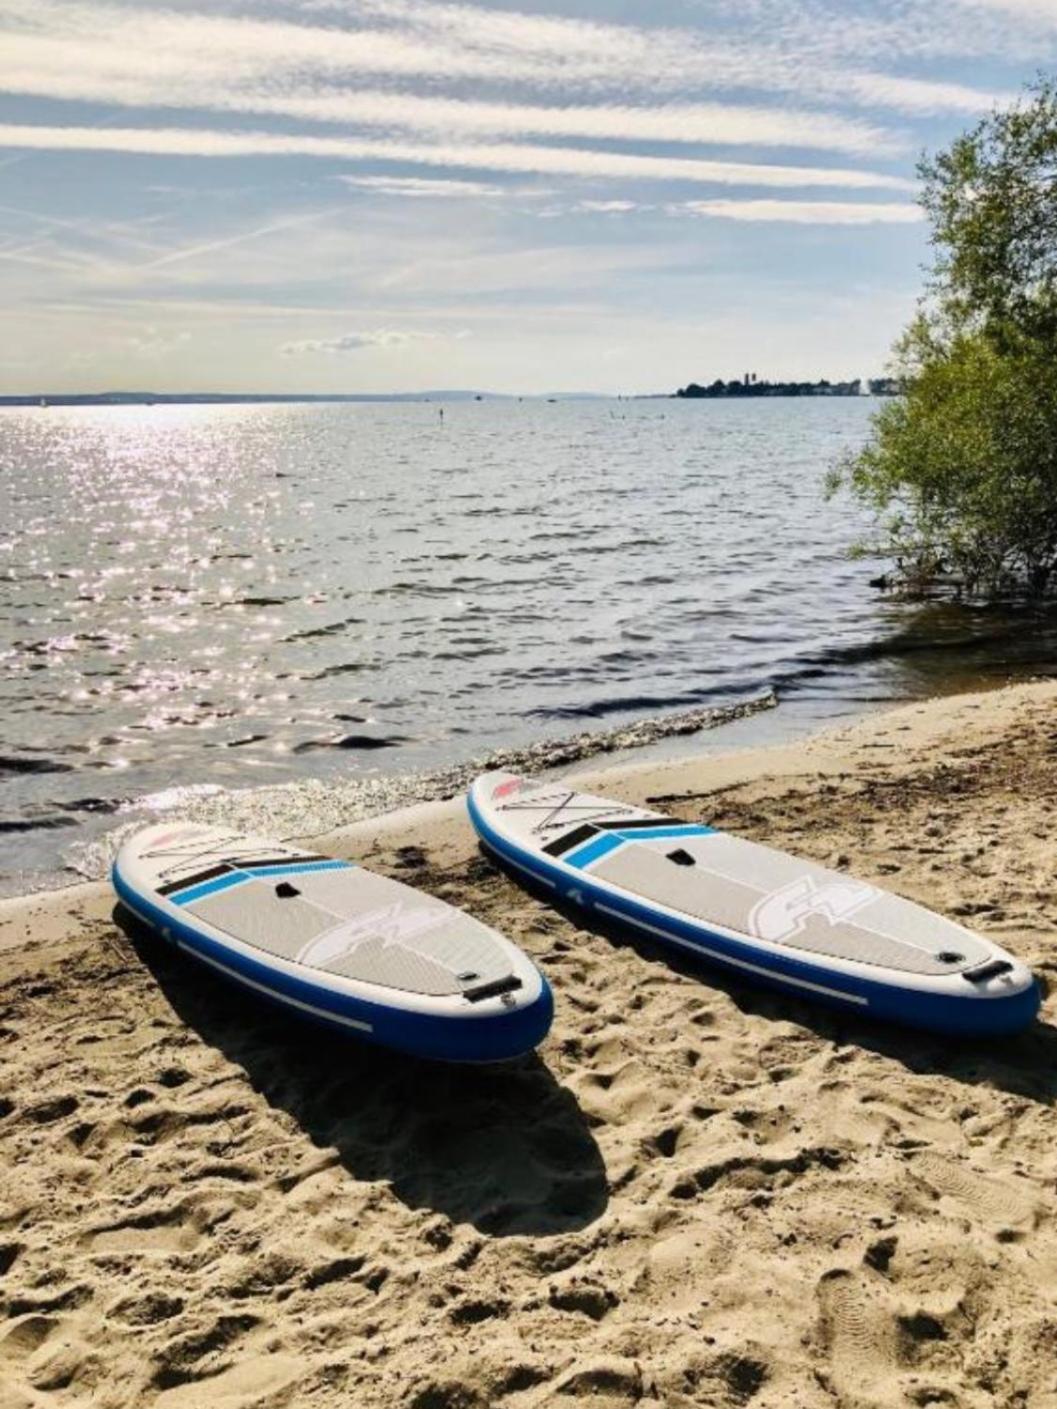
pixel 751 889
pixel 360 926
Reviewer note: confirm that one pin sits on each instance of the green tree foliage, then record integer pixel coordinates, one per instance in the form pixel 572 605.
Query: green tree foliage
pixel 961 470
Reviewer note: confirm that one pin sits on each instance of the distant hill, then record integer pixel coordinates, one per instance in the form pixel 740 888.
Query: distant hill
pixel 222 398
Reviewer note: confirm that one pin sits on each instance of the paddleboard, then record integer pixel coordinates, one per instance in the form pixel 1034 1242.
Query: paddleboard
pixel 760 913
pixel 335 943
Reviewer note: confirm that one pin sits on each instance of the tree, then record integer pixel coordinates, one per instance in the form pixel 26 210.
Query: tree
pixel 961 470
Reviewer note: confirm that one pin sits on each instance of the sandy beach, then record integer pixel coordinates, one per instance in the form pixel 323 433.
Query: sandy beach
pixel 697 1193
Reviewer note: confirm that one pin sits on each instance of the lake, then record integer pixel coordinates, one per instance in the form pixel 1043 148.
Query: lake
pixel 327 604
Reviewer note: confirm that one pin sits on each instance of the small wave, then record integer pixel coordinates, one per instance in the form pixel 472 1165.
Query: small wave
pixel 100 805
pixel 349 667
pixel 352 741
pixel 17 764
pixel 617 704
pixel 36 824
pixel 466 653
pixel 257 602
pixel 558 753
pixel 595 550
pixel 417 589
pixel 333 629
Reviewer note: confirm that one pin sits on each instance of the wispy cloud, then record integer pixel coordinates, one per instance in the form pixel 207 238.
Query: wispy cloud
pixel 615 207
pixel 716 124
pixel 143 56
pixel 152 343
pixel 423 187
pixel 920 96
pixel 496 156
pixel 807 212
pixel 44 69
pixel 357 341
pixel 736 45
pixel 1042 13
pixel 194 251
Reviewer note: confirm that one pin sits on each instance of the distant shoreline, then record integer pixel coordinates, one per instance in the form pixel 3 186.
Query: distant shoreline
pixel 716 391
pixel 249 398
pixel 750 387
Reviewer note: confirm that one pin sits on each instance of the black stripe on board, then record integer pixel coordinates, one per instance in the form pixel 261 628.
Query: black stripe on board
pixel 196 879
pixel 570 839
pixel 639 822
pixel 236 863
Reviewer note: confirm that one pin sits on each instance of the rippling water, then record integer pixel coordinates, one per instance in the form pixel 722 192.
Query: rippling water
pixel 197 599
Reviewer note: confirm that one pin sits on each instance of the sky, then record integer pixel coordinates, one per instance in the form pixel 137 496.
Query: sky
pixel 397 195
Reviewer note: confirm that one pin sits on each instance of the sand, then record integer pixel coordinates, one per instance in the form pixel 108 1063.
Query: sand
pixel 696 1194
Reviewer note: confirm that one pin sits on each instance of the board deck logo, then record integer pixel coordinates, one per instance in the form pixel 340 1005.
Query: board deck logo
pixel 784 914
pixel 391 924
pixel 507 789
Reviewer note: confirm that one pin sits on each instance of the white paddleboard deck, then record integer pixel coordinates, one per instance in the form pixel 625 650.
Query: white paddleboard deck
pixel 762 912
pixel 336 942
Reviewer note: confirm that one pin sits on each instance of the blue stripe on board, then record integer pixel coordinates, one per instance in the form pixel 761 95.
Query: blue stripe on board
pixel 303 867
pixel 606 842
pixel 594 849
pixel 233 878
pixel 675 829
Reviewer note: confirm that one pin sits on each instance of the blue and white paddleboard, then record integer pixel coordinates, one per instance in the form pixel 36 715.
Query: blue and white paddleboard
pixel 762 914
pixel 333 942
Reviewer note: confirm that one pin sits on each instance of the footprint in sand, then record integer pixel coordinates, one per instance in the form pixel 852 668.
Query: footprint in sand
pixel 26 1336
pixel 36 1352
pixel 860 1333
pixel 52 1109
pixel 159 1230
pixel 682 1268
pixel 1012 1203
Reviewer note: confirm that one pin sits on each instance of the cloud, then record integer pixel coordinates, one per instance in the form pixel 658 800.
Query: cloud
pixel 718 124
pixel 1040 12
pixel 607 207
pixel 538 160
pixel 355 342
pixel 44 69
pixel 738 43
pixel 422 187
pixel 271 227
pixel 806 212
pixel 922 97
pixel 138 55
pixel 152 343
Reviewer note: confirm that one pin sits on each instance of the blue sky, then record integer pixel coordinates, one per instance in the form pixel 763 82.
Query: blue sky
pixel 366 195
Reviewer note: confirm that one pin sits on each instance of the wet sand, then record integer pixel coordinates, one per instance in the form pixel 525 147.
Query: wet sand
pixel 697 1193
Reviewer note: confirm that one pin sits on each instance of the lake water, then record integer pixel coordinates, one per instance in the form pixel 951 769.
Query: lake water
pixel 200 601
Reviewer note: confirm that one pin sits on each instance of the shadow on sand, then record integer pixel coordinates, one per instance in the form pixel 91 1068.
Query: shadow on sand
pixel 1025 1065
pixel 503 1147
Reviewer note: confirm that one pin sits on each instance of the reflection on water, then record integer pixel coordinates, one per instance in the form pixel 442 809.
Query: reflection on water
pixel 207 598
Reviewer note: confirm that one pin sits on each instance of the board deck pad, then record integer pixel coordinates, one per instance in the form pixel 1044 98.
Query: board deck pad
pixel 740 885
pixel 330 916
pixel 336 944
pixel 732 884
